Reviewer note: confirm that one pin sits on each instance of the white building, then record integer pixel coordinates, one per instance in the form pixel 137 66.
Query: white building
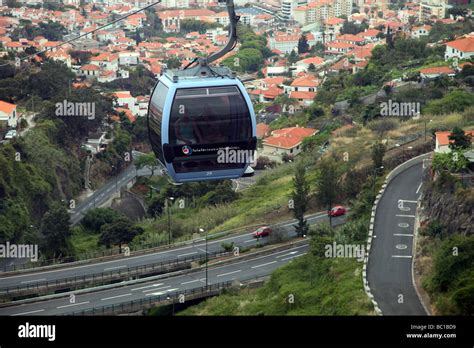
pixel 461 48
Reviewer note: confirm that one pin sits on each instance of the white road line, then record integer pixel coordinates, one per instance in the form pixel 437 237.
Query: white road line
pixel 292 257
pixel 32 281
pixel 268 263
pixel 407 201
pixel 117 267
pixel 419 187
pixel 403 234
pixel 224 274
pixel 160 288
pixel 161 292
pixel 191 281
pixel 290 253
pixel 109 298
pixel 411 216
pixel 39 310
pixel 148 286
pixel 402 256
pixel 195 252
pixel 249 241
pixel 73 304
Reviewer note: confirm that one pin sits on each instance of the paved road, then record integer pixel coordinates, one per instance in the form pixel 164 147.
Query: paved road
pixel 389 270
pixel 192 249
pixel 102 194
pixel 240 270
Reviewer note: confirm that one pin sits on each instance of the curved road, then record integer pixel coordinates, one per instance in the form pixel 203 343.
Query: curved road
pixel 389 271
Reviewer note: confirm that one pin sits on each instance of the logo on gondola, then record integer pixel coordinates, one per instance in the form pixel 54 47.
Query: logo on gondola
pixel 187 150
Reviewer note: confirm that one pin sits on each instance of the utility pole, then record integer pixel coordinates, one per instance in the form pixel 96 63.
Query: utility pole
pixel 169 218
pixel 207 259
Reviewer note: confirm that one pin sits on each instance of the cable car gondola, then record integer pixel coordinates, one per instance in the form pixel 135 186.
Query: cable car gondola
pixel 196 113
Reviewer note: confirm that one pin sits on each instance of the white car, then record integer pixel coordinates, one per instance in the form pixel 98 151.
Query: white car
pixel 10 134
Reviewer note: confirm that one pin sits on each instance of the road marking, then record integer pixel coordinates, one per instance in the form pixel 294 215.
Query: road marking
pixel 111 268
pixel 32 281
pixel 402 256
pixel 148 286
pixel 403 225
pixel 161 292
pixel 109 298
pixel 73 304
pixel 191 281
pixel 292 257
pixel 39 310
pixel 406 200
pixel 224 274
pixel 195 252
pixel 401 246
pixel 249 241
pixel 419 187
pixel 403 234
pixel 411 216
pixel 268 263
pixel 290 253
pixel 160 288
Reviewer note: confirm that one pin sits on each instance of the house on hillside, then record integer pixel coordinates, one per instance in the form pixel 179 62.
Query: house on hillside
pixel 442 140
pixel 461 48
pixel 286 141
pixel 8 115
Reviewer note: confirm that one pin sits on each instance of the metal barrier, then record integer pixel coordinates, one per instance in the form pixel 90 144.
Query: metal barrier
pixel 110 275
pixel 135 305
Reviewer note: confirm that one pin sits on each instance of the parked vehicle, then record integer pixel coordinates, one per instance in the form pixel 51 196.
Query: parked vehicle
pixel 10 134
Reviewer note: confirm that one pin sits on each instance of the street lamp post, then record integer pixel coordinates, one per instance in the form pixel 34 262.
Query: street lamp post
pixel 115 175
pixel 426 122
pixel 169 218
pixel 207 259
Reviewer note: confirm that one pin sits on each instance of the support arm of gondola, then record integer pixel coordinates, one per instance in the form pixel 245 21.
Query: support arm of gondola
pixel 233 20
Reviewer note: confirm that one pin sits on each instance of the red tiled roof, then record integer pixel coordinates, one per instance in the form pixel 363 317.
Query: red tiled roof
pixel 262 130
pixel 443 137
pixel 6 107
pixel 302 95
pixel 288 138
pixel 437 70
pixel 463 45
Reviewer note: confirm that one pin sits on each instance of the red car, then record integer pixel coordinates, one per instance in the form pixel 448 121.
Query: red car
pixel 337 211
pixel 262 232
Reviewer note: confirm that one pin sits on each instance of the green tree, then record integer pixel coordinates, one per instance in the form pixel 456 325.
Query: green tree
pixel 378 152
pixel 460 140
pixel 293 57
pixel 328 183
pixel 96 218
pixel 303 46
pixel 300 199
pixel 56 232
pixel 147 160
pixel 118 232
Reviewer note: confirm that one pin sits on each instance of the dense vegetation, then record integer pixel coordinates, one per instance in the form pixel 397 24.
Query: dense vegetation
pixel 252 51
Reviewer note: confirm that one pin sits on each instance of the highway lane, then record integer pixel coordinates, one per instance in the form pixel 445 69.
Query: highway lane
pixel 389 271
pixel 192 249
pixel 240 270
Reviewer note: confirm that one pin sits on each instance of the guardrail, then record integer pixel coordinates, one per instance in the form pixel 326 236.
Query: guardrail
pixel 144 303
pixel 114 253
pixel 107 277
